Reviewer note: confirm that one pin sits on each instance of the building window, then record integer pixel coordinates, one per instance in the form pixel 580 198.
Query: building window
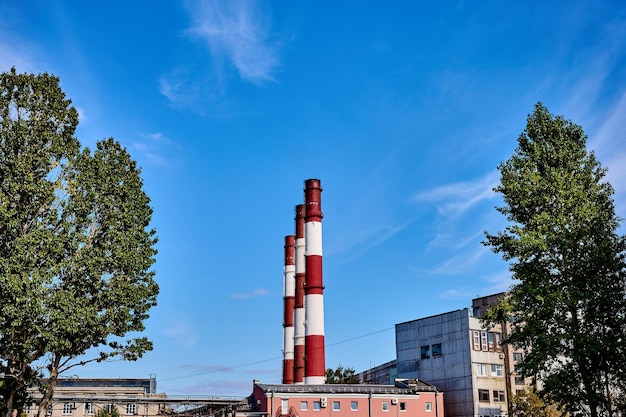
pixel 336 406
pixel 88 408
pixel 519 380
pixel 498 342
pixel 304 406
pixel 481 369
pixel 403 406
pixel 425 352
pixel 517 356
pixel 316 405
pixel 483 395
pixel 429 407
pixel 131 408
pixel 67 408
pixel 499 396
pixel 284 405
pixel 437 351
pixel 497 370
pixel 483 339
pixel 476 339
pixel 385 405
pixel 108 408
pixel 354 405
pixel 491 341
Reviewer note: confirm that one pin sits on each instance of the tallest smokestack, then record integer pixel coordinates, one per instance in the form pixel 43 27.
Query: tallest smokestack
pixel 315 366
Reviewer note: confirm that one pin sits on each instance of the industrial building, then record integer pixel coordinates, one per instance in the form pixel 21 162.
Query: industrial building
pixel 456 353
pixel 381 374
pixel 85 397
pixel 412 398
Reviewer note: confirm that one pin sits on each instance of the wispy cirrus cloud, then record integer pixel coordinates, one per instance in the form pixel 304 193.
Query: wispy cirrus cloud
pixel 240 32
pixel 237 35
pixel 608 144
pixel 459 224
pixel 453 200
pixel 16 52
pixel 493 284
pixel 259 292
pixel 182 333
pixel 154 147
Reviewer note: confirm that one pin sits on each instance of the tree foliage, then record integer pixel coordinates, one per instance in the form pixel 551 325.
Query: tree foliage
pixel 527 403
pixel 567 260
pixel 111 411
pixel 341 375
pixel 76 249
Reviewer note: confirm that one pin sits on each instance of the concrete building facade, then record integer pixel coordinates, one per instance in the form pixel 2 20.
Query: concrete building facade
pixel 85 397
pixel 78 397
pixel 382 374
pixel 454 352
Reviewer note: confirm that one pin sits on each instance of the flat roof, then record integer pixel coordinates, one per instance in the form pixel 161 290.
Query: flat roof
pixel 348 388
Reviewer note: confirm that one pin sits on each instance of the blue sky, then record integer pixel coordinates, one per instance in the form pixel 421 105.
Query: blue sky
pixel 402 109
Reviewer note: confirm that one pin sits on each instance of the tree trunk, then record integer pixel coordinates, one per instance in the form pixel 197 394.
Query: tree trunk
pixel 49 392
pixel 9 402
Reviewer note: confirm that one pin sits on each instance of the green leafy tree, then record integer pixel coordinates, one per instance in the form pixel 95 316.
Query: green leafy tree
pixel 567 260
pixel 112 411
pixel 76 249
pixel 528 404
pixel 341 375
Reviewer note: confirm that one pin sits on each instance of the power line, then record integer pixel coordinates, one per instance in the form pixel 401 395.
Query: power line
pixel 243 365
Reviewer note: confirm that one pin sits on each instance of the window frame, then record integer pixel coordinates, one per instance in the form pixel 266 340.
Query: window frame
pixel 484 396
pixel 89 408
pixel 482 369
pixel 317 405
pixel 402 406
pixel 131 409
pixel 425 352
pixel 498 396
pixel 385 406
pixel 428 407
pixel 336 405
pixel 497 370
pixel 476 339
pixel 68 409
pixel 354 405
pixel 304 405
pixel 483 342
pixel 438 351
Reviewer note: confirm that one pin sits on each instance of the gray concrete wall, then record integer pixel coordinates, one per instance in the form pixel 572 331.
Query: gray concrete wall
pixel 452 371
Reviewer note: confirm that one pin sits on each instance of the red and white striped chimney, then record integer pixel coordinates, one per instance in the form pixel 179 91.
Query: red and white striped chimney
pixel 289 298
pixel 299 302
pixel 315 366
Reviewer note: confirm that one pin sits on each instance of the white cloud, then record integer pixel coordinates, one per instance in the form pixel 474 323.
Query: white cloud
pixel 16 53
pixel 453 200
pixel 182 334
pixel 461 262
pixel 239 31
pixel 154 146
pixel 496 283
pixel 259 292
pixel 608 144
